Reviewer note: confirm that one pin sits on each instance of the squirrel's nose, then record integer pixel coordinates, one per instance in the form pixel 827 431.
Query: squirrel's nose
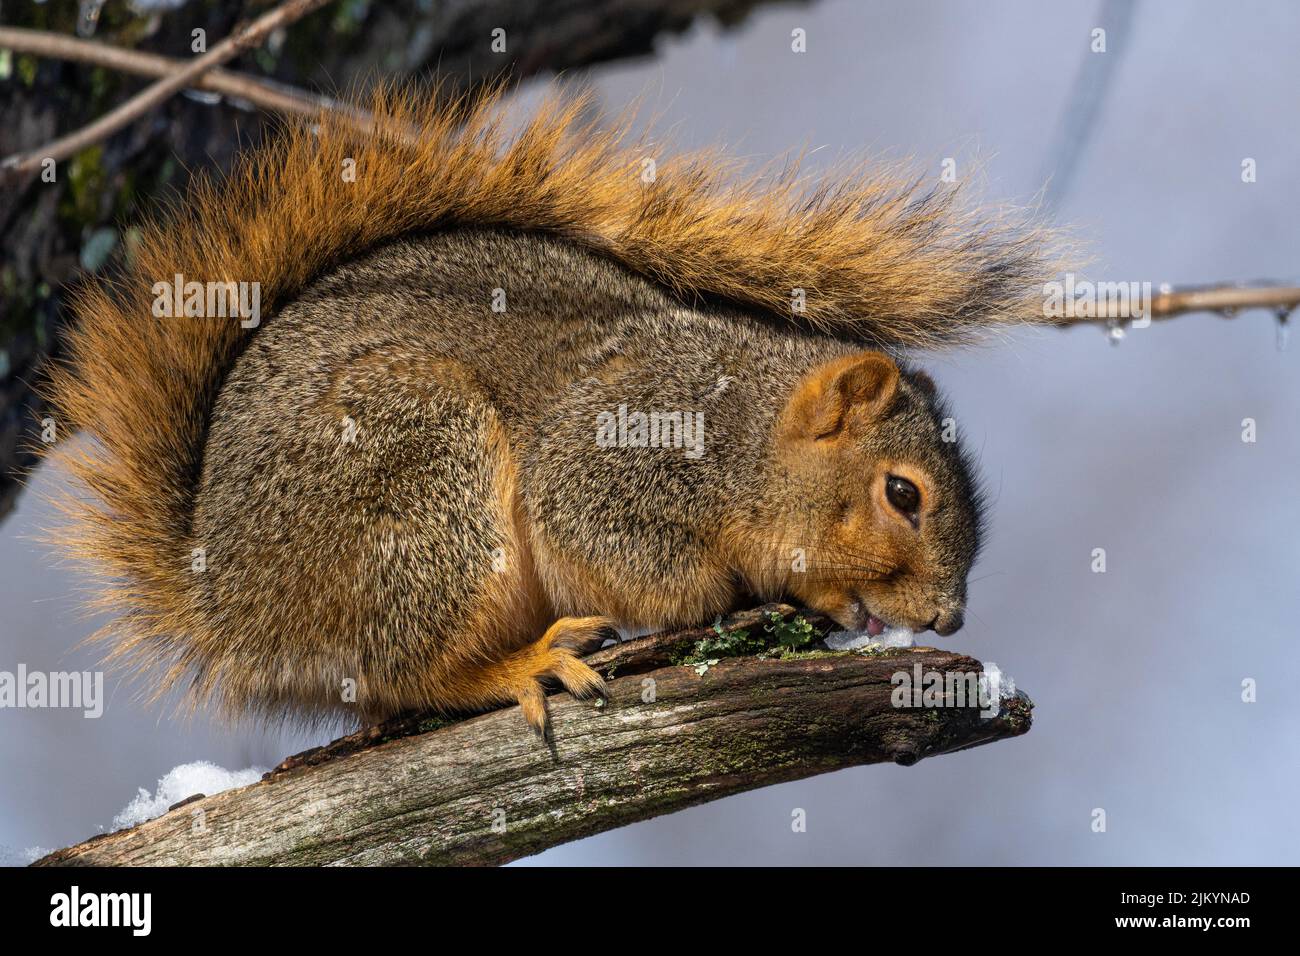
pixel 947 622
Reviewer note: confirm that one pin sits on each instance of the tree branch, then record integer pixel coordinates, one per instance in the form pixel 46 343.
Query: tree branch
pixel 270 95
pixel 484 791
pixel 1229 299
pixel 242 39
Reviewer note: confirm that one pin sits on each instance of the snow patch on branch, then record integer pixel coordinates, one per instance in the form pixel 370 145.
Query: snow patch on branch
pixel 180 782
pixel 857 640
pixel 12 856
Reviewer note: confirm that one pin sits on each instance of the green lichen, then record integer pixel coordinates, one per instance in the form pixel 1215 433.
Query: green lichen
pixel 266 59
pixel 434 723
pixel 104 85
pixel 792 634
pixel 879 650
pixel 27 65
pixel 349 16
pixel 777 637
pixel 735 643
pixel 79 205
pixel 19 305
pixel 789 655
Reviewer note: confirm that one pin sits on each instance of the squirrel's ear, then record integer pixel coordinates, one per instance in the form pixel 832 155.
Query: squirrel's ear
pixel 832 395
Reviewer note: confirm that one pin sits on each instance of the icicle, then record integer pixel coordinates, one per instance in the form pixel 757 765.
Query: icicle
pixel 1283 330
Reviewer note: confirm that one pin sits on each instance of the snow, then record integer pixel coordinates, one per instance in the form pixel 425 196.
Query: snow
pixel 857 640
pixel 996 686
pixel 12 856
pixel 181 782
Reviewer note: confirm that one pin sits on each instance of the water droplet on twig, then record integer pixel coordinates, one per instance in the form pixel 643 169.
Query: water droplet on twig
pixel 1115 331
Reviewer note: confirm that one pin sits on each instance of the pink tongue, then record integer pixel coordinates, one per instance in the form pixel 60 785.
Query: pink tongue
pixel 875 626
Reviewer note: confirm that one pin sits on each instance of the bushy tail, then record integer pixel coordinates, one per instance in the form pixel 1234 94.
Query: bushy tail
pixel 878 258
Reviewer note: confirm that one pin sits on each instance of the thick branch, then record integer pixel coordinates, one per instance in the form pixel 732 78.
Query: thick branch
pixel 485 791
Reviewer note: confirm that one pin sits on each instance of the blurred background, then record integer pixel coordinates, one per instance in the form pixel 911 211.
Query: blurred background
pixel 1136 673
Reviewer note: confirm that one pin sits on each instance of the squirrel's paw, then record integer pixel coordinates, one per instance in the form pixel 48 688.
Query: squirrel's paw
pixel 554 657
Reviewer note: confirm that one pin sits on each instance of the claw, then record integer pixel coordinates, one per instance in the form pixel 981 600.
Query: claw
pixel 554 659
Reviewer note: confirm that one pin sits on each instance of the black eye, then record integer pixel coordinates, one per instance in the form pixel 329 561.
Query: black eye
pixel 902 494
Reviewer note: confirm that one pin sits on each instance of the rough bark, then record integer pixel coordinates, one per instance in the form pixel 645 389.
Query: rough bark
pixel 83 223
pixel 484 790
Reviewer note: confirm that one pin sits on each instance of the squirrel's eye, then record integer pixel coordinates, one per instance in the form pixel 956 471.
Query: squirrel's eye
pixel 902 494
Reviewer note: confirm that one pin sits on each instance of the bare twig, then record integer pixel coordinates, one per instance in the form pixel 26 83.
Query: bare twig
pixel 268 94
pixel 242 39
pixel 1226 298
pixel 485 791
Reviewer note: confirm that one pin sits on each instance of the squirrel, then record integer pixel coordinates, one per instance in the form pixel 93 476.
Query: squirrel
pixel 513 391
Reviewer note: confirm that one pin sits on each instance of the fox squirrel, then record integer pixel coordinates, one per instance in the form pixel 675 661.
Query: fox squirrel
pixel 512 392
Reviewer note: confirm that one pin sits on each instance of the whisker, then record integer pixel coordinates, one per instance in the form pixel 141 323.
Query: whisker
pixel 784 568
